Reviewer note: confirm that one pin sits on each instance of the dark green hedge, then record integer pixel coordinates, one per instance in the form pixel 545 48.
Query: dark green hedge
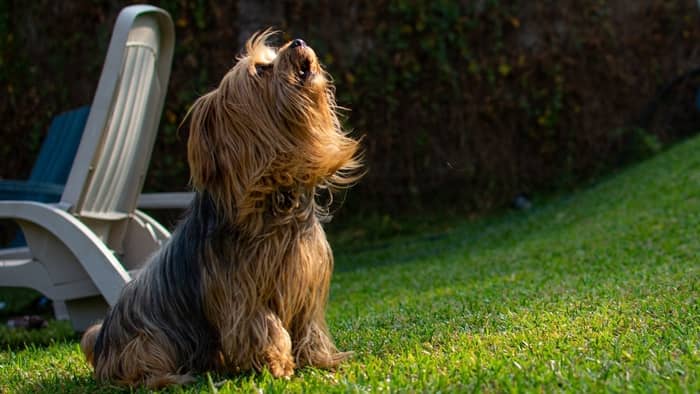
pixel 461 103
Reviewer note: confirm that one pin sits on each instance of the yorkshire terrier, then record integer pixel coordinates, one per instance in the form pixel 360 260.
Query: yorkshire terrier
pixel 243 282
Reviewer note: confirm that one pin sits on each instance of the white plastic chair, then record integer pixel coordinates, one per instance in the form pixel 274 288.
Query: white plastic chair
pixel 83 250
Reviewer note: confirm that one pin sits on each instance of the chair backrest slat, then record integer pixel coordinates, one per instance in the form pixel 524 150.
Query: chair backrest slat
pixel 58 149
pixel 120 132
pixel 112 174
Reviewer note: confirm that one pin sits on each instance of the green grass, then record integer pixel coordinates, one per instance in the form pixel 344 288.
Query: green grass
pixel 594 291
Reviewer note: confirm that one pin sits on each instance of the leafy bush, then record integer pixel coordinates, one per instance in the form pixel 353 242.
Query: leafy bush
pixel 462 103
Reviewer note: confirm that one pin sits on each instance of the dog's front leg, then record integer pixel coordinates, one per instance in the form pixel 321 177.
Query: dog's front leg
pixel 313 345
pixel 277 347
pixel 268 345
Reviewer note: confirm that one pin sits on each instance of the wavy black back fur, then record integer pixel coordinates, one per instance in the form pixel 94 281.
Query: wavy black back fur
pixel 169 298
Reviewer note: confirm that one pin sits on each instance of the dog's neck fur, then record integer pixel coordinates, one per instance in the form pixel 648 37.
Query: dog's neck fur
pixel 292 209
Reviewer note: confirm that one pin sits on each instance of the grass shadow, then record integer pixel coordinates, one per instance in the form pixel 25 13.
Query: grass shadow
pixel 21 338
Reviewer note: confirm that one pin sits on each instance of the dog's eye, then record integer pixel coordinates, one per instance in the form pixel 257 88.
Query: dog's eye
pixel 261 68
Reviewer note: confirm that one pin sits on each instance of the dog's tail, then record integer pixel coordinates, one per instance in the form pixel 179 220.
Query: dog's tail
pixel 87 344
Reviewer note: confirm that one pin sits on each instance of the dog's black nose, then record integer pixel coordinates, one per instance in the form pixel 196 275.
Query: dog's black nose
pixel 298 42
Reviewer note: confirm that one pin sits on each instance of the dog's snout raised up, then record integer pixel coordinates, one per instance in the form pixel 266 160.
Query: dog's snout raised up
pixel 298 42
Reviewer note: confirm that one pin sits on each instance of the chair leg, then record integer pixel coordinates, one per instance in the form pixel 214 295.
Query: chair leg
pixel 60 310
pixel 85 312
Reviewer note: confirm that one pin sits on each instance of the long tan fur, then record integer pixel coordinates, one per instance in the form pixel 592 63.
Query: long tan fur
pixel 243 283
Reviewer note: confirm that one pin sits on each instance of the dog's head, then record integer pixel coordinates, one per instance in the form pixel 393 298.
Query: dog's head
pixel 271 125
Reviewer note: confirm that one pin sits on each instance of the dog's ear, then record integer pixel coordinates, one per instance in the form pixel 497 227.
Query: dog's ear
pixel 202 144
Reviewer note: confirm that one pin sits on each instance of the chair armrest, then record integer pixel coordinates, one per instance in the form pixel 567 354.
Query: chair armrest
pixel 92 254
pixel 165 200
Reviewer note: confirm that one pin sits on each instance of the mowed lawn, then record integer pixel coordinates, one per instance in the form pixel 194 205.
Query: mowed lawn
pixel 594 291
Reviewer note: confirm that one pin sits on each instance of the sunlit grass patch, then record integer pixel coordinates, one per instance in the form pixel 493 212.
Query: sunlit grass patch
pixel 594 291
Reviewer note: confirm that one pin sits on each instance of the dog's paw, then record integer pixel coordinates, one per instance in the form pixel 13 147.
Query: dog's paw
pixel 156 382
pixel 280 366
